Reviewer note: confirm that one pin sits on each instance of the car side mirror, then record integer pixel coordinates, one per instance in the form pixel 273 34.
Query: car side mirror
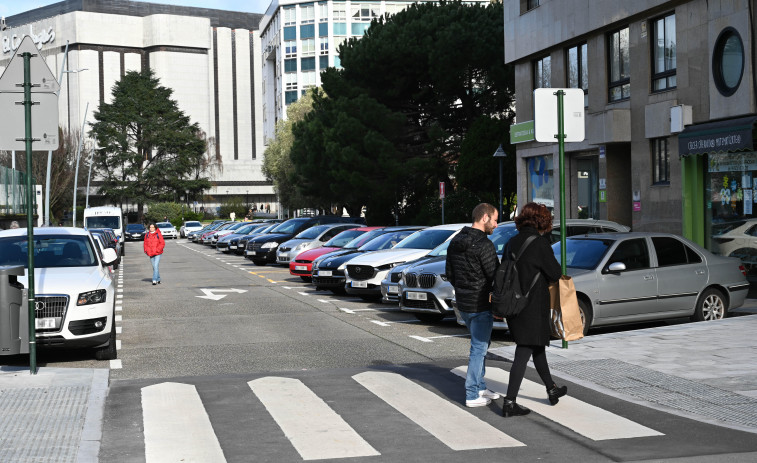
pixel 109 256
pixel 616 267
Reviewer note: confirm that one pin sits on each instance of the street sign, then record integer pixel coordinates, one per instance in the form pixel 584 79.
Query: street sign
pixel 44 122
pixel 441 190
pixel 545 114
pixel 40 73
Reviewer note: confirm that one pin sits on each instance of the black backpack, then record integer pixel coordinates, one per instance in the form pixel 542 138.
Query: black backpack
pixel 508 299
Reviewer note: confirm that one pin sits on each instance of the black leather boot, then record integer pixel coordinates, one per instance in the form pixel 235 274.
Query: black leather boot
pixel 513 409
pixel 555 393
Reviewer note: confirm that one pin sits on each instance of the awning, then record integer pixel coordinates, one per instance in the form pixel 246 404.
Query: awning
pixel 717 137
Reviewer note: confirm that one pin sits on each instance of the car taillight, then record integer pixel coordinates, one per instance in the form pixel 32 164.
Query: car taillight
pixel 743 270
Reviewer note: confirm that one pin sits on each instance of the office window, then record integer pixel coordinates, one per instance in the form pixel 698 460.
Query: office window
pixel 290 65
pixel 308 78
pixel 290 97
pixel 340 12
pixel 364 12
pixel 323 11
pixel 308 47
pixel 323 62
pixel 289 16
pixel 578 72
pixel 324 45
pixel 664 53
pixel 323 30
pixel 531 4
pixel 660 162
pixel 307 13
pixel 290 33
pixel 307 64
pixel 290 48
pixel 619 66
pixel 542 72
pixel 290 81
pixel 337 62
pixel 307 31
pixel 340 29
pixel 359 28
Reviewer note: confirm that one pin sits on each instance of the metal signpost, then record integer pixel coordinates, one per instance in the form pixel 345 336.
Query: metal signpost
pixel 500 154
pixel 441 196
pixel 28 73
pixel 550 123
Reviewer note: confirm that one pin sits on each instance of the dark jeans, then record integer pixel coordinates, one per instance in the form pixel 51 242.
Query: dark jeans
pixel 518 370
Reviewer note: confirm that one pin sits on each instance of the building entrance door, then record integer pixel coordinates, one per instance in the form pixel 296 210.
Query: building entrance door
pixel 588 189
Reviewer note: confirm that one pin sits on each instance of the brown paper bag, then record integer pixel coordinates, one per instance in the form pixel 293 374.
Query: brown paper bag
pixel 566 316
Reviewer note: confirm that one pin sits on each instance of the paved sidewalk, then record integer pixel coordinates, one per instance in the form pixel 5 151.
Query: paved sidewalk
pixel 53 416
pixel 706 371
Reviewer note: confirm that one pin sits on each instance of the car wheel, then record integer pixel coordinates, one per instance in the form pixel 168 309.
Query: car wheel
pixel 586 315
pixel 306 279
pixel 429 317
pixel 108 352
pixel 710 306
pixel 183 235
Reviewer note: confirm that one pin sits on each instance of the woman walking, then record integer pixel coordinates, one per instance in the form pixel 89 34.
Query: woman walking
pixel 154 245
pixel 530 329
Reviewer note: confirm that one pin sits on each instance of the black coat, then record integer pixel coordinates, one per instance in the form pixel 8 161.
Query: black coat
pixel 471 263
pixel 531 327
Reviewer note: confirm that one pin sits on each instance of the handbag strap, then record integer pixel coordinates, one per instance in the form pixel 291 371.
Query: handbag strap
pixel 528 241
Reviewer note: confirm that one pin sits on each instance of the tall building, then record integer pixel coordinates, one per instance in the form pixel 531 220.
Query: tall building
pixel 210 58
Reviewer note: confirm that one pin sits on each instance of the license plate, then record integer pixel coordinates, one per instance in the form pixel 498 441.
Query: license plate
pixel 324 273
pixel 359 284
pixel 392 289
pixel 300 267
pixel 250 253
pixel 416 296
pixel 45 323
pixel 233 246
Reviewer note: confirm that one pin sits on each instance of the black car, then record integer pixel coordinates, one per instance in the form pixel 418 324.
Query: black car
pixel 262 249
pixel 239 244
pixel 135 232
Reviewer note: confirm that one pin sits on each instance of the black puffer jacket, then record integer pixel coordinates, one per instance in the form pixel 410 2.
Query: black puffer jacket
pixel 471 263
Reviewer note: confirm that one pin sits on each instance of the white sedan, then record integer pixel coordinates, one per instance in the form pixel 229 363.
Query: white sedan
pixel 73 286
pixel 189 227
pixel 168 230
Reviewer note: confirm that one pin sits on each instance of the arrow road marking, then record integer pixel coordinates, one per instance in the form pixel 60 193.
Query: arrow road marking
pixel 209 293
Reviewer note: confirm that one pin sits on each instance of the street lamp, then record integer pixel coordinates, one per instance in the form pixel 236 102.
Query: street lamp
pixel 500 153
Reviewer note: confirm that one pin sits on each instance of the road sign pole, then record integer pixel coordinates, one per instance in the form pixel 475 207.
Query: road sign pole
pixel 30 212
pixel 561 154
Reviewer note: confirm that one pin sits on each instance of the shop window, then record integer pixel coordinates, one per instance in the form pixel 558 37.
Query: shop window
pixel 578 70
pixel 660 162
pixel 541 180
pixel 664 53
pixel 542 72
pixel 728 61
pixel 619 66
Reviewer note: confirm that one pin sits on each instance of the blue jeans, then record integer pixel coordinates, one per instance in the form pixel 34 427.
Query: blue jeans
pixel 155 261
pixel 480 327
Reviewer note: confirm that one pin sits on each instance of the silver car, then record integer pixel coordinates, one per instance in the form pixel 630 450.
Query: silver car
pixel 423 287
pixel 168 230
pixel 313 237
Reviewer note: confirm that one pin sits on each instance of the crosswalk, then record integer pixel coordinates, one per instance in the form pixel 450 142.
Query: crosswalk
pixel 177 426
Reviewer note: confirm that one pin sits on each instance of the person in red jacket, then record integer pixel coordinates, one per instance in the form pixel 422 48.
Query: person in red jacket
pixel 154 245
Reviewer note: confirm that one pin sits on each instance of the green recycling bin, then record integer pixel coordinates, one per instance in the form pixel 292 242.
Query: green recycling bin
pixel 14 333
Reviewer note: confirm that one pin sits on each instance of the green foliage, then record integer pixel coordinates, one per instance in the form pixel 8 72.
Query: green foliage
pixel 158 212
pixel 236 205
pixel 458 206
pixel 147 147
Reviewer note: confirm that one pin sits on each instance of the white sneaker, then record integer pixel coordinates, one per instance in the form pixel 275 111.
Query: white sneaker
pixel 480 402
pixel 489 394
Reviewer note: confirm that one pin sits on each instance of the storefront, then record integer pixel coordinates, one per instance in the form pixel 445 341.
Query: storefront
pixel 720 194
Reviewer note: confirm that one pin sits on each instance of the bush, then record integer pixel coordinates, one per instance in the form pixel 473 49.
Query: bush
pixel 160 212
pixel 235 205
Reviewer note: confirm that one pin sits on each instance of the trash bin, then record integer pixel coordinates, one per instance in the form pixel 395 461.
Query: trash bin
pixel 14 335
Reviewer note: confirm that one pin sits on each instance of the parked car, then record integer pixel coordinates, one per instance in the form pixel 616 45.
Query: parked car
pixel 313 237
pixel 737 239
pixel 328 270
pixel 262 249
pixel 195 235
pixel 239 245
pixel 223 243
pixel 225 231
pixel 168 230
pixel 109 240
pixel 73 286
pixel 188 227
pixel 302 264
pixel 135 232
pixel 365 272
pixel 205 237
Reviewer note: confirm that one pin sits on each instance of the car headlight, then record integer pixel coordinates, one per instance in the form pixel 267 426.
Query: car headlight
pixel 342 267
pixel 300 246
pixel 387 266
pixel 269 245
pixel 443 276
pixel 97 296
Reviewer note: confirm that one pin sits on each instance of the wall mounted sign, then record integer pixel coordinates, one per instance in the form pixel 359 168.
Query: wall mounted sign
pixel 12 42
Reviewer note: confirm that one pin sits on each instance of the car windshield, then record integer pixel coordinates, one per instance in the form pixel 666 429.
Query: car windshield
pixel 246 229
pixel 440 250
pixel 425 239
pixel 582 253
pixel 386 241
pixel 193 224
pixel 289 227
pixel 135 227
pixel 502 235
pixel 343 238
pixel 102 222
pixel 237 226
pixel 362 239
pixel 312 232
pixel 164 225
pixel 49 251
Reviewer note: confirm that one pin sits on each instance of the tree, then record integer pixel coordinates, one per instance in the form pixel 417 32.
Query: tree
pixel 148 148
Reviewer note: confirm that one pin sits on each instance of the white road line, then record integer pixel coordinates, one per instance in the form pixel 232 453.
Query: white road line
pixel 454 426
pixel 314 429
pixel 176 425
pixel 119 290
pixel 118 330
pixel 119 308
pixel 119 296
pixel 421 338
pixel 118 344
pixel 116 364
pixel 352 311
pixel 326 301
pixel 585 419
pixel 380 323
pixel 119 318
pixel 304 294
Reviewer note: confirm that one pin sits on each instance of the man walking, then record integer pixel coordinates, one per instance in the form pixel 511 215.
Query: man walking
pixel 471 264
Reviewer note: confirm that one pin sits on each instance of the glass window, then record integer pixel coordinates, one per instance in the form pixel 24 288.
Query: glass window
pixel 364 11
pixel 307 13
pixel 669 251
pixel 323 29
pixel 290 81
pixel 342 237
pixel 340 29
pixel 49 251
pixel 531 4
pixel 308 47
pixel 323 11
pixel 290 97
pixel 290 33
pixel 308 78
pixel 290 65
pixel 728 61
pixel 386 241
pixel 582 253
pixel 660 161
pixel 323 45
pixel 307 64
pixel 289 16
pixel 340 12
pixel 307 31
pixel 359 28
pixel 578 71
pixel 619 66
pixel 363 239
pixel 323 62
pixel 290 48
pixel 542 72
pixel 664 53
pixel 337 62
pixel 541 180
pixel 633 253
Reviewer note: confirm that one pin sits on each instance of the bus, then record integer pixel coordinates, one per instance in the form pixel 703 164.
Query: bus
pixel 106 217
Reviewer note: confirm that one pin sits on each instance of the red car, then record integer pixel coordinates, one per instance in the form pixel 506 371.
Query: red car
pixel 302 265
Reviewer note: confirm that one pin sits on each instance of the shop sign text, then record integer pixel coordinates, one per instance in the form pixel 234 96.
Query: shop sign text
pixel 11 43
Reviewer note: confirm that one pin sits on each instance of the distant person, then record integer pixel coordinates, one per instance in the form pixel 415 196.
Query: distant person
pixel 15 224
pixel 531 328
pixel 471 264
pixel 153 246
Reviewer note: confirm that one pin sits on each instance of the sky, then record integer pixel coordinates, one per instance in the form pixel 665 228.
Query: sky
pixel 11 7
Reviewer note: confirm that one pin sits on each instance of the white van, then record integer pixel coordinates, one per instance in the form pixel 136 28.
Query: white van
pixel 106 217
